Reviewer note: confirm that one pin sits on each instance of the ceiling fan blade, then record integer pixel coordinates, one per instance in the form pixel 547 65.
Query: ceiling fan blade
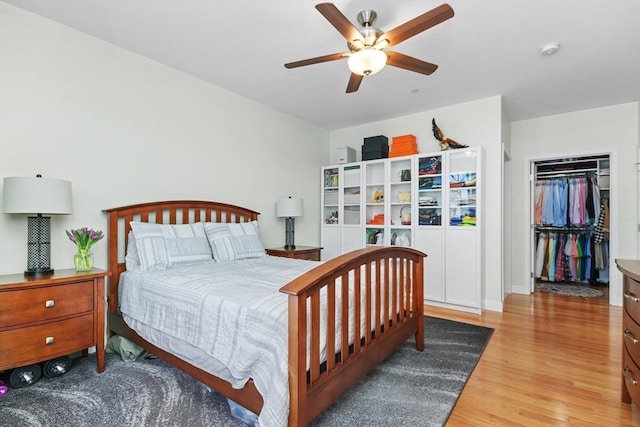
pixel 410 63
pixel 418 24
pixel 316 60
pixel 338 20
pixel 354 82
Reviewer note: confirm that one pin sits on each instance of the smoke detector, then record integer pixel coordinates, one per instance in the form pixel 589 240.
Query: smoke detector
pixel 549 49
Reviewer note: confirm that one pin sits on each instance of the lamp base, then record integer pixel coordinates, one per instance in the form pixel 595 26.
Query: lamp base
pixel 38 245
pixel 289 234
pixel 38 272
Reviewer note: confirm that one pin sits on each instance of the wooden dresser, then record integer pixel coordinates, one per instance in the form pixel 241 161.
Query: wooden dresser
pixel 630 330
pixel 48 316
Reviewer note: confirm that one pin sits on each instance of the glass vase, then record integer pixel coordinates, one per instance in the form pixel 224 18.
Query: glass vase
pixel 83 260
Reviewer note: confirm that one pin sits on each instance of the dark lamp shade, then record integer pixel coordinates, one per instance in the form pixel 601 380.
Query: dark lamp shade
pixel 36 195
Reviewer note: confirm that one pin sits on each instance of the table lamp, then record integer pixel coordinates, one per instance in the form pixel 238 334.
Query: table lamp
pixel 289 208
pixel 37 195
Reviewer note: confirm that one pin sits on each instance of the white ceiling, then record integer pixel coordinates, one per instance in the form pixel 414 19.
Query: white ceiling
pixel 490 47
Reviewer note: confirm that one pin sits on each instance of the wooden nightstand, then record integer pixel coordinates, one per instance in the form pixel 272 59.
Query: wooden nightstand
pixel 48 316
pixel 311 253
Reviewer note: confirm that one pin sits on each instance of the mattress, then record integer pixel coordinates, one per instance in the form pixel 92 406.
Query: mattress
pixel 227 318
pixel 230 319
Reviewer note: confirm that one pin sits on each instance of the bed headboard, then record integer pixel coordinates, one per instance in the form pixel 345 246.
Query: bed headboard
pixel 167 212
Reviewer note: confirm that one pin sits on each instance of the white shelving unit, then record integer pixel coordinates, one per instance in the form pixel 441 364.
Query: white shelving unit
pixel 341 209
pixel 431 202
pixel 388 204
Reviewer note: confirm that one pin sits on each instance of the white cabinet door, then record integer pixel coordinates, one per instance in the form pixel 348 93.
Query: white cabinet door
pixel 351 239
pixel 448 230
pixel 330 242
pixel 431 242
pixel 330 201
pixel 342 199
pixel 461 269
pixel 430 233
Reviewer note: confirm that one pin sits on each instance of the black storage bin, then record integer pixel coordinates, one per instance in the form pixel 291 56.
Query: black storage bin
pixel 375 154
pixel 375 147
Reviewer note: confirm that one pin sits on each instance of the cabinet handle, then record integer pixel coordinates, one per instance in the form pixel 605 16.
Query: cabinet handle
pixel 627 373
pixel 49 340
pixel 628 295
pixel 49 303
pixel 628 334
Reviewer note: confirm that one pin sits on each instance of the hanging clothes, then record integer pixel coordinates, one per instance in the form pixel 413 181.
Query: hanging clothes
pixel 567 210
pixel 560 202
pixel 564 256
pixel 601 240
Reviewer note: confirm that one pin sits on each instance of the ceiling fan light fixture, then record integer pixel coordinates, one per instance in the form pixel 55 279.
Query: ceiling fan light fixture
pixel 367 61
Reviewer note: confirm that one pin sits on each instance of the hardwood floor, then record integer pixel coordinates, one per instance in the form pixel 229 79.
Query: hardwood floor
pixel 552 360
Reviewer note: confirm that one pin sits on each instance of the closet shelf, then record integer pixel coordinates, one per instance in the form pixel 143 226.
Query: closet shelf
pixel 574 228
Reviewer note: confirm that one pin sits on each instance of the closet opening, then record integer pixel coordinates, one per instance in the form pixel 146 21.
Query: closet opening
pixel 570 226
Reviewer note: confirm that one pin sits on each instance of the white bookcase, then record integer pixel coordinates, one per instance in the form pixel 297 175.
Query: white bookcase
pixel 431 202
pixel 388 204
pixel 449 227
pixel 341 206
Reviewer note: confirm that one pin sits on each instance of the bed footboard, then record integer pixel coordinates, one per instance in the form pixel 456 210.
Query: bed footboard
pixel 388 282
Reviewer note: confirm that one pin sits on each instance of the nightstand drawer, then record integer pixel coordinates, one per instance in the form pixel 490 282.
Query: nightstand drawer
pixel 631 293
pixel 46 303
pixel 631 337
pixel 310 253
pixel 34 343
pixel 631 376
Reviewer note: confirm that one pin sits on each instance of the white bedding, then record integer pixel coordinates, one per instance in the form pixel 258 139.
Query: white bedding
pixel 215 312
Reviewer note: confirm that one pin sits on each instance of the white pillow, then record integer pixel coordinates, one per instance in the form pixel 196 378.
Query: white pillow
pixel 246 240
pixel 219 237
pixel 230 242
pixel 131 259
pixel 161 246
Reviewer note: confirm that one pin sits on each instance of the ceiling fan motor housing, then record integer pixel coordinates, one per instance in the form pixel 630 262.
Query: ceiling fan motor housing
pixel 370 34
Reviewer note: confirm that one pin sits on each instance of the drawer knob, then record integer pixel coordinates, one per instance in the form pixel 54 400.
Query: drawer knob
pixel 629 335
pixel 49 303
pixel 49 340
pixel 628 295
pixel 629 375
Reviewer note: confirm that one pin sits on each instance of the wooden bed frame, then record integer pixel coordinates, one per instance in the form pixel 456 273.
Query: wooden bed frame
pixel 311 390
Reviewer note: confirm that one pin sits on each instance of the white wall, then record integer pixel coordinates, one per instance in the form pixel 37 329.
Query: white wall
pixel 124 129
pixel 615 129
pixel 477 124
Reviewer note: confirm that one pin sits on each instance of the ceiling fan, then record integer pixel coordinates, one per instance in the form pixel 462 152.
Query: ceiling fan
pixel 367 54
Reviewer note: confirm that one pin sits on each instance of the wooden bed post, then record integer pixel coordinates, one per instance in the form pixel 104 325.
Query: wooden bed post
pixel 297 361
pixel 418 291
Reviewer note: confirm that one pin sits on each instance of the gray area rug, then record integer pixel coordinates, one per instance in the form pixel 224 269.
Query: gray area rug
pixel 569 290
pixel 409 388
